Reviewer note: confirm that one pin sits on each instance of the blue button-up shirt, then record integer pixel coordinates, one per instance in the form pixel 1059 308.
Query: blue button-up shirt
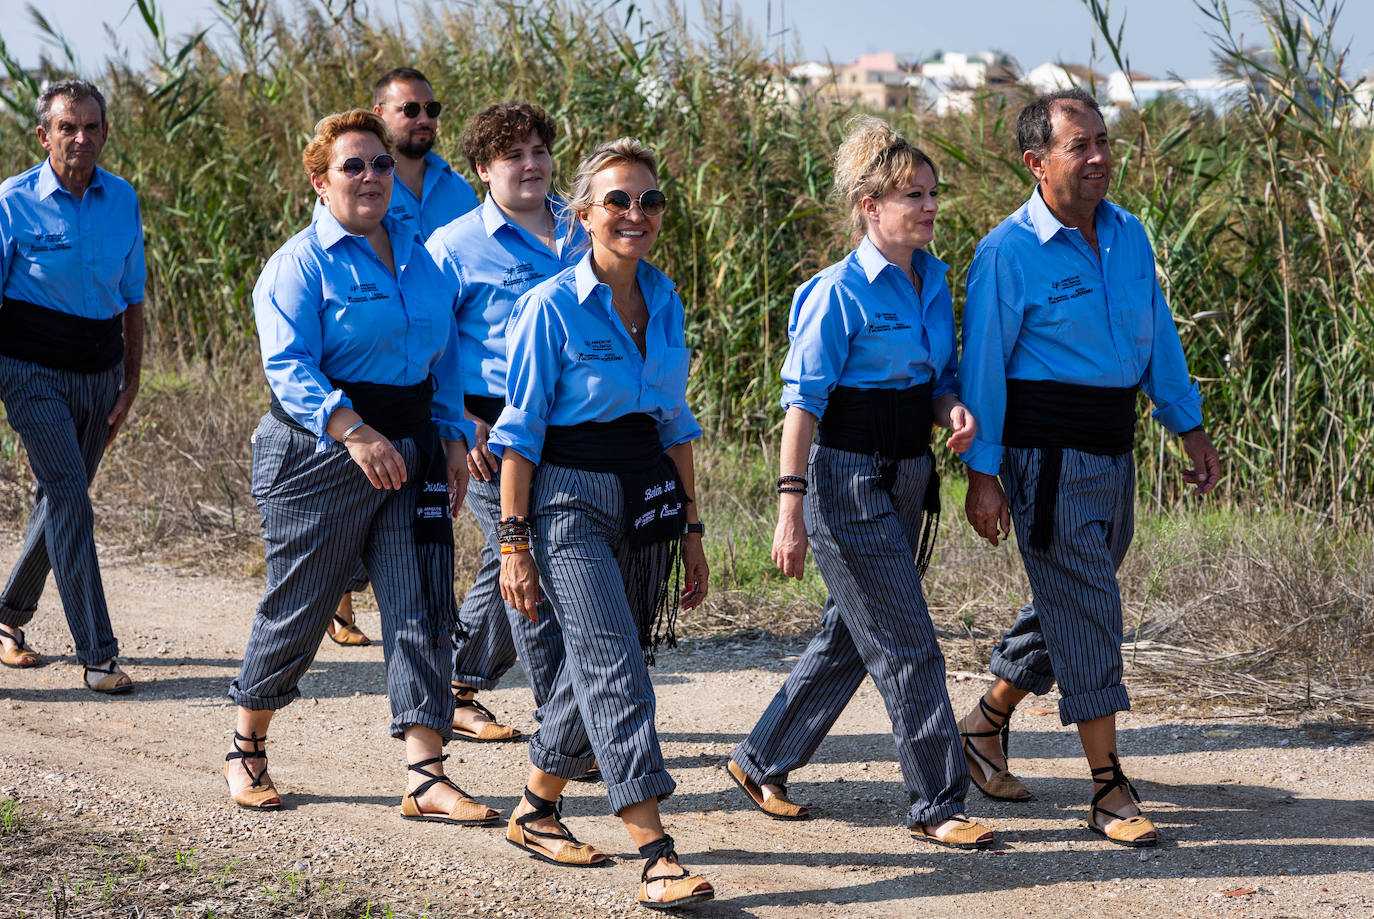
pixel 326 306
pixel 82 256
pixel 572 360
pixel 492 261
pixel 859 323
pixel 1042 305
pixel 444 196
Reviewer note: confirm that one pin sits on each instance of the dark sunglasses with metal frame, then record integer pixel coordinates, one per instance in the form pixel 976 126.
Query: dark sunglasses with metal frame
pixel 651 202
pixel 412 109
pixel 382 165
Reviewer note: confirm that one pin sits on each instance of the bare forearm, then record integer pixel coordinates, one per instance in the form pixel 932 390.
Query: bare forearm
pixel 798 427
pixel 516 474
pixel 133 346
pixel 681 455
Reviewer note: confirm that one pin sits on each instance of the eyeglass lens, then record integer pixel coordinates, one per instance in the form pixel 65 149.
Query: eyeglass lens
pixel 412 109
pixel 381 164
pixel 651 202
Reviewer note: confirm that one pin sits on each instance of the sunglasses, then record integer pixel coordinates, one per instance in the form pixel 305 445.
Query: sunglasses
pixel 651 202
pixel 382 164
pixel 412 109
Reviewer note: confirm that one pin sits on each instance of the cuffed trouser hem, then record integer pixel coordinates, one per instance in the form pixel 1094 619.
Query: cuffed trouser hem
pixel 97 655
pixel 261 704
pixel 933 815
pixel 1097 703
pixel 559 764
pixel 1018 676
pixel 472 681
pixel 419 719
pixel 752 768
pixel 652 787
pixel 16 618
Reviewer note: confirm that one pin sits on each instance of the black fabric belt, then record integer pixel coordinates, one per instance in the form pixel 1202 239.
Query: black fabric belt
pixel 488 408
pixel 629 443
pixel 396 412
pixel 892 422
pixel 1054 417
pixel 50 337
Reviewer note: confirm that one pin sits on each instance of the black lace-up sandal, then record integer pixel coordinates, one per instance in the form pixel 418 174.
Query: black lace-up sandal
pixel 1136 831
pixel 1000 785
pixel 683 889
pixel 466 811
pixel 261 795
pixel 574 854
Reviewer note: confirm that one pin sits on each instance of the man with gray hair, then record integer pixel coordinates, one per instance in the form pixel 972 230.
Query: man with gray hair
pixel 71 347
pixel 1064 323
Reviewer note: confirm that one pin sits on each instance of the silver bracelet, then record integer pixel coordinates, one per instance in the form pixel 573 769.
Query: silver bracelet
pixel 351 430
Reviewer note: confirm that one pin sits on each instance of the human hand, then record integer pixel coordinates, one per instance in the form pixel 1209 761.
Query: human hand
pixel 1206 471
pixel 455 453
pixel 963 426
pixel 696 574
pixel 520 584
pixel 985 506
pixel 377 458
pixel 482 463
pixel 789 537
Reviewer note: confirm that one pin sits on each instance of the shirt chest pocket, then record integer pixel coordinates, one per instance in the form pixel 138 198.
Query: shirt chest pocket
pixel 668 373
pixel 111 254
pixel 1133 311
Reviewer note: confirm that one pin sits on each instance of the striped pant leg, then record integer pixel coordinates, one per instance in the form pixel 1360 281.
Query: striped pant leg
pixel 61 417
pixel 416 637
pixel 602 702
pixel 357 581
pixel 496 632
pixel 316 511
pixel 864 541
pixel 1075 619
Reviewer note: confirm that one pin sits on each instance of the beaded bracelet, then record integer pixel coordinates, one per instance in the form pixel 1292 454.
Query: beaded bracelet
pixel 799 480
pixel 790 490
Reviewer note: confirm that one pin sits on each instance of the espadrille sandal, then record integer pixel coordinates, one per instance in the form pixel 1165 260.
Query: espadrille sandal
pixel 348 634
pixel 261 795
pixel 574 854
pixel 969 835
pixel 490 732
pixel 113 683
pixel 465 812
pixel 777 806
pixel 20 656
pixel 1000 785
pixel 1137 831
pixel 683 889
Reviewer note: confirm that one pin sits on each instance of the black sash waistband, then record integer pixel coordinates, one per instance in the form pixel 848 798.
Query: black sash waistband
pixel 396 412
pixel 894 423
pixel 60 340
pixel 488 408
pixel 1055 417
pixel 627 444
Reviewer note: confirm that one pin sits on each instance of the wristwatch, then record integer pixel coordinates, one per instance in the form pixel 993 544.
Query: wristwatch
pixel 698 528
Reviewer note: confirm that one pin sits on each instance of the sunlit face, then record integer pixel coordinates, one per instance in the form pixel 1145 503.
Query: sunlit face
pixel 1076 171
pixel 905 216
pixel 358 203
pixel 75 134
pixel 414 137
pixel 519 177
pixel 632 235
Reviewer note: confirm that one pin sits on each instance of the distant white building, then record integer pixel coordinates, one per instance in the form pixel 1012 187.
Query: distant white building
pixel 1216 93
pixel 1052 76
pixel 969 71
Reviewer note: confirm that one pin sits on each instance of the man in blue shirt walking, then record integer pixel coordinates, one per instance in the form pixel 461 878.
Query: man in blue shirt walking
pixel 71 346
pixel 1063 323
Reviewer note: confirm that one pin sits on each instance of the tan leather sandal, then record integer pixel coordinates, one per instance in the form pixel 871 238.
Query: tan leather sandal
pixel 113 683
pixel 778 806
pixel 1136 831
pixel 347 633
pixel 261 795
pixel 1000 785
pixel 491 731
pixel 683 889
pixel 465 812
pixel 968 835
pixel 573 855
pixel 21 655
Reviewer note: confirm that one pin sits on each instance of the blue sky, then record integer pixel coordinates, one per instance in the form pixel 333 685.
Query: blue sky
pixel 1162 36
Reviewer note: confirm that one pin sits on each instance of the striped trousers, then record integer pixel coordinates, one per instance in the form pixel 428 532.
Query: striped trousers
pixel 602 703
pixel 875 622
pixel 496 632
pixel 1071 630
pixel 319 516
pixel 60 415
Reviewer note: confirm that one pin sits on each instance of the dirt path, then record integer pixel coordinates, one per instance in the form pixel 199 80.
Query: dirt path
pixel 1244 804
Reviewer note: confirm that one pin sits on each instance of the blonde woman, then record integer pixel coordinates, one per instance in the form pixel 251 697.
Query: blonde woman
pixel 870 368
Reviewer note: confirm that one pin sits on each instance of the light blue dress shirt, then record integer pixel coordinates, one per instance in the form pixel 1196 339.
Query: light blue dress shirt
pixel 1042 305
pixel 326 306
pixel 444 196
pixel 572 360
pixel 859 323
pixel 491 261
pixel 82 256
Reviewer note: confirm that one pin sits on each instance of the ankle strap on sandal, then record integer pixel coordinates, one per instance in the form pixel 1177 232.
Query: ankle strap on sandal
pixel 433 779
pixel 239 753
pixel 1115 778
pixel 545 808
pixel 652 852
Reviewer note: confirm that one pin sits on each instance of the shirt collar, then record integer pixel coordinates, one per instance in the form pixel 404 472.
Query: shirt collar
pixel 48 182
pixel 873 262
pixel 1046 225
pixel 328 230
pixel 652 282
pixel 493 218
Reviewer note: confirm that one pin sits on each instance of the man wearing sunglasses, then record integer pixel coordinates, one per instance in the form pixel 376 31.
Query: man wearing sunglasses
pixel 428 193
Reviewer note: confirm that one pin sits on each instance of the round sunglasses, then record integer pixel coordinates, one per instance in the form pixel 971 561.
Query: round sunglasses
pixel 412 109
pixel 382 165
pixel 651 202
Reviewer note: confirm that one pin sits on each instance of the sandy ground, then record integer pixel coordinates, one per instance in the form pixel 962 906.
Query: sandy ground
pixel 1260 817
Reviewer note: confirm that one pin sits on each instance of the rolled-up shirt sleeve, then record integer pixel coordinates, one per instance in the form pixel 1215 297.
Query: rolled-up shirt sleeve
pixel 286 304
pixel 1178 404
pixel 534 353
pixel 992 321
pixel 820 330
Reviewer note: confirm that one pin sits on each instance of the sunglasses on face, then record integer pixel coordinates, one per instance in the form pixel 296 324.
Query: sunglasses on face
pixel 382 164
pixel 412 109
pixel 617 202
